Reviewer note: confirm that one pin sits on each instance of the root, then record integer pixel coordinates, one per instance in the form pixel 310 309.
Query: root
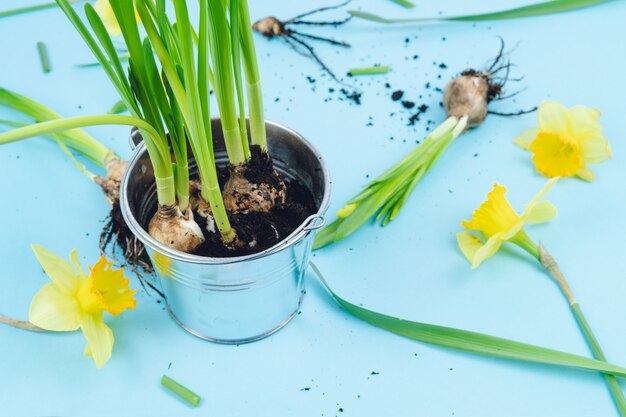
pixel 314 56
pixel 320 10
pixel 329 23
pixel 518 113
pixel 498 57
pixel 116 234
pixel 323 39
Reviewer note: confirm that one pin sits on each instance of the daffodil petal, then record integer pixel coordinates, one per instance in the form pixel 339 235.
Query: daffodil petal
pixel 524 139
pixel 541 212
pixel 76 262
pixel 58 269
pixel 53 309
pixel 546 188
pixel 586 174
pixel 595 149
pixel 469 243
pixel 487 250
pixel 552 117
pixel 584 120
pixel 99 338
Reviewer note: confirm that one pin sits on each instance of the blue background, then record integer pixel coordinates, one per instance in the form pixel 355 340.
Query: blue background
pixel 410 269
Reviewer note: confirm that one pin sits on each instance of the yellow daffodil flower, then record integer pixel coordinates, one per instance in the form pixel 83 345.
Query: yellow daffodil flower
pixel 498 223
pixel 76 300
pixel 104 10
pixel 566 141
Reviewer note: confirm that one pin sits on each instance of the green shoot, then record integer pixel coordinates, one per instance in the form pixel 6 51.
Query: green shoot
pixel 44 58
pixel 538 9
pixel 59 138
pixel 258 134
pixel 385 196
pixel 77 139
pixel 469 341
pixel 221 54
pixel 370 70
pixel 180 391
pixel 236 51
pixel 174 49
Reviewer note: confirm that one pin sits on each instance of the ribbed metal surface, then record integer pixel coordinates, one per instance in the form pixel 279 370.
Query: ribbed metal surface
pixel 239 299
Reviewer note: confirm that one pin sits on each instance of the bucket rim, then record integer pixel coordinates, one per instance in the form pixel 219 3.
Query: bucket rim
pixel 311 223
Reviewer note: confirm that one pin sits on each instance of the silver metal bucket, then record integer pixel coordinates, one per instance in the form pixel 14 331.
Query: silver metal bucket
pixel 239 299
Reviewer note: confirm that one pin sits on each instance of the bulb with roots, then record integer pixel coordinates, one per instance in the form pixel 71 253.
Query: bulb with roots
pixel 470 93
pixel 176 230
pixel 255 186
pixel 467 95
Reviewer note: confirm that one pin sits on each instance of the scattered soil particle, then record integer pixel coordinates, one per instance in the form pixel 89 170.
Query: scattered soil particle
pixel 353 96
pixel 397 95
pixel 408 104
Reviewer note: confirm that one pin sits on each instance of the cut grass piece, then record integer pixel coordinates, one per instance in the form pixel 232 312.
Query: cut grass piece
pixel 44 58
pixel 538 9
pixel 404 3
pixel 369 70
pixel 180 391
pixel 469 341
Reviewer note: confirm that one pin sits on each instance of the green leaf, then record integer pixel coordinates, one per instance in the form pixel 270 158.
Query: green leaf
pixel 469 341
pixel 538 9
pixel 29 9
pixel 118 107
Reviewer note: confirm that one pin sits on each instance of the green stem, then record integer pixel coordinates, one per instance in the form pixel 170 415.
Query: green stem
pixel 553 269
pixel 20 324
pixel 611 381
pixel 76 139
pixel 160 158
pixel 258 133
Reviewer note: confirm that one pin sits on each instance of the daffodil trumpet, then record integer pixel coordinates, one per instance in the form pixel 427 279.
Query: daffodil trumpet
pixel 496 223
pixel 465 100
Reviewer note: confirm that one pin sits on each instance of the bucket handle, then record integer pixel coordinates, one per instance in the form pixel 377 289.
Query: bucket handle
pixel 314 222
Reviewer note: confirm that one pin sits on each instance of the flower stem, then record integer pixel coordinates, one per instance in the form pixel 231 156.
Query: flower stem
pixel 552 267
pixel 21 324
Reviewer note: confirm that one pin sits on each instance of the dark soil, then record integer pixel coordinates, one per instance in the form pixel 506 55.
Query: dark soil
pixel 265 229
pixel 260 168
